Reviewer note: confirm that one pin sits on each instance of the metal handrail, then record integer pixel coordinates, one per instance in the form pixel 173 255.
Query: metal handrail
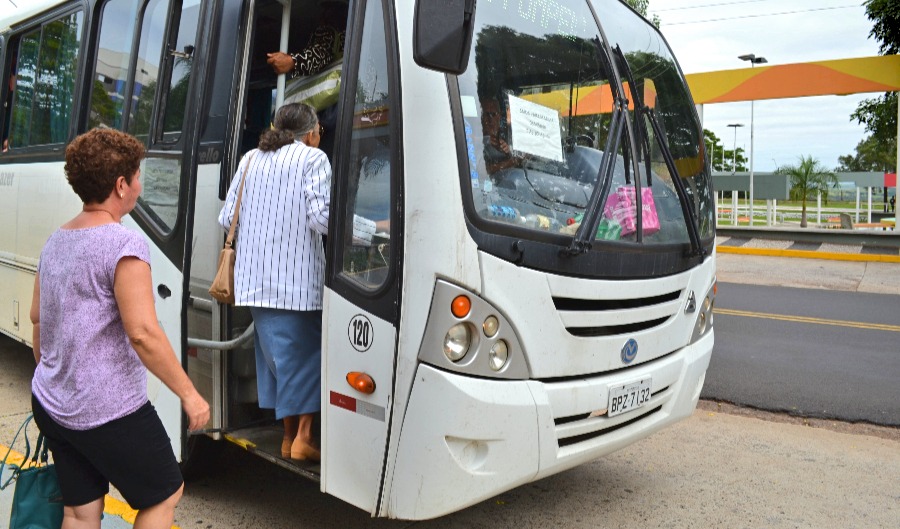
pixel 223 346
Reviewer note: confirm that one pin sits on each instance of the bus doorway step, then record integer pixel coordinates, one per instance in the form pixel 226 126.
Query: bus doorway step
pixel 265 442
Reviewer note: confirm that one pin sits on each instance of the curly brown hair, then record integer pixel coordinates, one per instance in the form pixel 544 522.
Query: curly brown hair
pixel 97 158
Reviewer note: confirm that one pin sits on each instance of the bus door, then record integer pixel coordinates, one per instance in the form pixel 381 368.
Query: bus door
pixel 362 295
pixel 141 83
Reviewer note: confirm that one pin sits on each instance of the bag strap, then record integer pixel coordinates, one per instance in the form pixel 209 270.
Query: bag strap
pixel 16 469
pixel 229 241
pixel 41 449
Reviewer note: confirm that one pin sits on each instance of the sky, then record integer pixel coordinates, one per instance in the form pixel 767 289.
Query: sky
pixel 709 35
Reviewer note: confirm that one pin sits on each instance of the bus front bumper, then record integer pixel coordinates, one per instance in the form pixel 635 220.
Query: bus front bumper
pixel 467 439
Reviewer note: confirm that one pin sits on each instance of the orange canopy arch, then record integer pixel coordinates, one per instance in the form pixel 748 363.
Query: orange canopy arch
pixel 781 81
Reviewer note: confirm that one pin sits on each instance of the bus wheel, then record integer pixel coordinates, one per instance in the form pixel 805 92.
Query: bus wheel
pixel 201 453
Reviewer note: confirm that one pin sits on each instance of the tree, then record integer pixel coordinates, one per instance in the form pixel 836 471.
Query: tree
pixel 722 159
pixel 808 178
pixel 870 156
pixel 886 16
pixel 641 7
pixel 879 115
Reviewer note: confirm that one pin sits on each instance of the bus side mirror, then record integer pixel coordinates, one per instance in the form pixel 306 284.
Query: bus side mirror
pixel 442 36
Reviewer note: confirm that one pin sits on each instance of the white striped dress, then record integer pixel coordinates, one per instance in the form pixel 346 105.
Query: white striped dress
pixel 284 211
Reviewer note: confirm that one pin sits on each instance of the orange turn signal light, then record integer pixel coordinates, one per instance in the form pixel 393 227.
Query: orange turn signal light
pixel 461 306
pixel 361 382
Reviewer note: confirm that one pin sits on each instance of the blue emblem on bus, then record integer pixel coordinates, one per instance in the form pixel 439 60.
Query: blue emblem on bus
pixel 629 351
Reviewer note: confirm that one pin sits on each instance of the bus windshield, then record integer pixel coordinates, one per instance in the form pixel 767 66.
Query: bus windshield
pixel 538 101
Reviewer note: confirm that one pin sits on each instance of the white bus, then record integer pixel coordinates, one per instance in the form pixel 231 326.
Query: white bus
pixel 510 323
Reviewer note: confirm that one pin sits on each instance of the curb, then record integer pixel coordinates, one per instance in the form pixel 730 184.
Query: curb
pixel 806 254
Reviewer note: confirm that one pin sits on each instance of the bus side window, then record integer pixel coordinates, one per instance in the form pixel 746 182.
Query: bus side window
pixel 10 86
pixel 369 168
pixel 146 78
pixel 108 96
pixel 46 68
pixel 179 69
pixel 170 68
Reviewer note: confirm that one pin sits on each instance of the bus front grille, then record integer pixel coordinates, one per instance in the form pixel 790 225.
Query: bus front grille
pixel 611 317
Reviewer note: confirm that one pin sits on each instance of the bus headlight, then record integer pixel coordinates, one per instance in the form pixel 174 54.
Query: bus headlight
pixel 490 326
pixel 705 315
pixel 704 321
pixel 469 335
pixel 457 342
pixel 498 355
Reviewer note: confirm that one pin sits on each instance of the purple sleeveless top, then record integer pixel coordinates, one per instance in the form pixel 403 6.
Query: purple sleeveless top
pixel 88 374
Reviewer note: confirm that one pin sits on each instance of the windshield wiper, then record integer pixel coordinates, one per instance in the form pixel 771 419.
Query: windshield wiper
pixel 586 232
pixel 643 140
pixel 687 210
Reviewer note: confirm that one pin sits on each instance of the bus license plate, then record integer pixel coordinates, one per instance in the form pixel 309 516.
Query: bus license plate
pixel 629 397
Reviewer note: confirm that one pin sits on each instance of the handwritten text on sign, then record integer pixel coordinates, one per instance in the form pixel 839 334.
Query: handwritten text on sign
pixel 535 129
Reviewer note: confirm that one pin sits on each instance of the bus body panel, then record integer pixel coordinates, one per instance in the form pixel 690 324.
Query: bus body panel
pixel 167 295
pixel 25 11
pixel 355 424
pixel 486 442
pixel 436 243
pixel 35 200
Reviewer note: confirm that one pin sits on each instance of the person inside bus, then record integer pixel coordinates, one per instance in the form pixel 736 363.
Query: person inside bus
pixel 325 46
pixel 280 267
pixel 497 154
pixel 96 334
pixel 7 105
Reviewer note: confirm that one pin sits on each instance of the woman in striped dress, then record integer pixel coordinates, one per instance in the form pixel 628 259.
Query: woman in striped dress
pixel 280 267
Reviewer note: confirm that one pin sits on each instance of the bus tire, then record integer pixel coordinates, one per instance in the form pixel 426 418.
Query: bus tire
pixel 201 453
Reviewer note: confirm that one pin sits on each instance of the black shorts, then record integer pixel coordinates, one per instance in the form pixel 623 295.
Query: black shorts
pixel 133 453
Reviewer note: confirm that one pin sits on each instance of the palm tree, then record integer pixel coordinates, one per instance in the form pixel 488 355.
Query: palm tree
pixel 808 179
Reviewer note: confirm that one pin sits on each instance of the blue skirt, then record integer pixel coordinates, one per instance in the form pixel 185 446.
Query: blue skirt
pixel 288 360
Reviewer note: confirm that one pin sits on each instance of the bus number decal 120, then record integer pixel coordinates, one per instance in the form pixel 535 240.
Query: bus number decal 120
pixel 361 333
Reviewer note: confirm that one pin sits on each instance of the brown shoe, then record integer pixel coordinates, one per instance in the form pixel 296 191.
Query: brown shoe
pixel 286 447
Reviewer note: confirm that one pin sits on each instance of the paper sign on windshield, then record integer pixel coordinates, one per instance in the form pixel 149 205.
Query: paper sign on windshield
pixel 535 129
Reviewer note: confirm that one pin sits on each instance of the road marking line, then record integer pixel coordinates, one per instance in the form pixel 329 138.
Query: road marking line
pixel 805 319
pixel 111 506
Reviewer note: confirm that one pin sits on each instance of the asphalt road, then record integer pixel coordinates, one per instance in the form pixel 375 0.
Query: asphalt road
pixel 809 352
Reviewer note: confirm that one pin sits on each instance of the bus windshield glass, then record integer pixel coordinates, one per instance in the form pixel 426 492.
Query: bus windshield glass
pixel 538 101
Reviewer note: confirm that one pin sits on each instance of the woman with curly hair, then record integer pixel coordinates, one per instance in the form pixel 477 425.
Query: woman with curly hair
pixel 95 336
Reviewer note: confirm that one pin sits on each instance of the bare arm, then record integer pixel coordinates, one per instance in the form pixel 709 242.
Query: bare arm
pixel 35 315
pixel 134 293
pixel 280 62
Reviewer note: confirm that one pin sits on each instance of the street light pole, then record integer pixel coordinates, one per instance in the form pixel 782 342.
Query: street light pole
pixel 754 60
pixel 734 151
pixel 734 202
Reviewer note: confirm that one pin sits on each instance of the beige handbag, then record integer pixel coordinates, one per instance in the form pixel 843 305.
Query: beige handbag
pixel 222 288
